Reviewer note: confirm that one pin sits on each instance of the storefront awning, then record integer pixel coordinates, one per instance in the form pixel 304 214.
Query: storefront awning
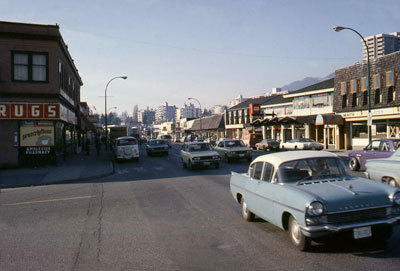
pixel 306 119
pixel 88 123
pixel 329 119
pixel 274 121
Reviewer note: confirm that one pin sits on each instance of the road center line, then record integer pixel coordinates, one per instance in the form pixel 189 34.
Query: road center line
pixel 48 200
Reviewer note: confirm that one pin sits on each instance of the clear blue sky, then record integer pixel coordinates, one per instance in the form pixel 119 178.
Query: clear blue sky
pixel 211 50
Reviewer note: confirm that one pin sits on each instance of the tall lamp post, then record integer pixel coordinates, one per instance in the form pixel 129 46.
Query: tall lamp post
pixel 105 106
pixel 369 121
pixel 201 128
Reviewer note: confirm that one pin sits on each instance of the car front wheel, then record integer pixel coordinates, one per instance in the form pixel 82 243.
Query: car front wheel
pixel 247 215
pixel 296 236
pixel 354 164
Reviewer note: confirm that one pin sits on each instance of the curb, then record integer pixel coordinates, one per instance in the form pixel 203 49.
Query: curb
pixel 64 181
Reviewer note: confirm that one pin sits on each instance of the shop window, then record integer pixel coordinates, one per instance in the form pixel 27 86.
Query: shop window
pixel 390 95
pixel 344 101
pixel 360 130
pixel 29 67
pixel 377 96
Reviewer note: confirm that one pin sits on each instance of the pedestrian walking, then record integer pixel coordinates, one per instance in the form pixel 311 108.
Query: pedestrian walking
pixel 87 146
pixel 98 145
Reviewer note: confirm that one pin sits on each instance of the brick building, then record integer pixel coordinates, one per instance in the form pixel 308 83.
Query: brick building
pixel 39 95
pixel 351 100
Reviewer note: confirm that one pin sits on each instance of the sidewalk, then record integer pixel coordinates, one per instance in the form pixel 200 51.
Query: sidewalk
pixel 78 167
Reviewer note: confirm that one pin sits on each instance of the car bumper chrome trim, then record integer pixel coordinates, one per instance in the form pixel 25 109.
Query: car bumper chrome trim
pixel 337 228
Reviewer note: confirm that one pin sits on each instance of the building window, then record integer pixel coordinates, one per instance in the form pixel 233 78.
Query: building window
pixel 320 100
pixel 301 102
pixel 60 75
pixel 390 95
pixel 344 101
pixel 354 100
pixel 377 96
pixel 29 67
pixel 365 98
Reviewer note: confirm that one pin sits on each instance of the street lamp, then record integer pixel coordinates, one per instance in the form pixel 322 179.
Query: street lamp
pixel 201 128
pixel 105 104
pixel 369 121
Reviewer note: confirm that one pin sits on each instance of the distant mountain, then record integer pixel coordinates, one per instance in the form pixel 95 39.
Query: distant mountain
pixel 308 81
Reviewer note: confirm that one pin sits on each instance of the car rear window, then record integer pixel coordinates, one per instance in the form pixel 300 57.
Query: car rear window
pixel 156 142
pixel 125 142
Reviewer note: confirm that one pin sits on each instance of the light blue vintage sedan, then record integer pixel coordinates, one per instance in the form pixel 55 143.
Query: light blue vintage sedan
pixel 386 170
pixel 310 194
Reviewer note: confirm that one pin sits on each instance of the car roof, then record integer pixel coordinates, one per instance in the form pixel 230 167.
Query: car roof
pixel 281 157
pixel 125 137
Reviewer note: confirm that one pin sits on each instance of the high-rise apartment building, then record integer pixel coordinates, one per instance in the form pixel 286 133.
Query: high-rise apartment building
pixel 165 113
pixel 382 44
pixel 188 111
pixel 146 116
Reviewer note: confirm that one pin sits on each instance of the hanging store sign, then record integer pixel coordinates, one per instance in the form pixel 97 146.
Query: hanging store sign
pixel 255 109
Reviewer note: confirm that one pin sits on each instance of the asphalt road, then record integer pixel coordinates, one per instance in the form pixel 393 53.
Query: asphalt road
pixel 155 215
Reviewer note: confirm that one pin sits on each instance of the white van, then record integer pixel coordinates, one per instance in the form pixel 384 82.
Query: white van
pixel 126 148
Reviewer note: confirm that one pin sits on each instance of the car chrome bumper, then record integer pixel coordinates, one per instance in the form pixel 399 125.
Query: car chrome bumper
pixel 337 228
pixel 210 161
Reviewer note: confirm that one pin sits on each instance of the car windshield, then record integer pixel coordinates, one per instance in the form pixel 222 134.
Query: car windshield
pixel 311 169
pixel 234 143
pixel 199 147
pixel 306 140
pixel 127 141
pixel 156 142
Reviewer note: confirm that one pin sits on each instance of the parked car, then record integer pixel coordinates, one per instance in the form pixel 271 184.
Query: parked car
pixel 233 149
pixel 380 148
pixel 126 148
pixel 157 146
pixel 197 154
pixel 311 195
pixel 386 170
pixel 301 144
pixel 167 138
pixel 268 144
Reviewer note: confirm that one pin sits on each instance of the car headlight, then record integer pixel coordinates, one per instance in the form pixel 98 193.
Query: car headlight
pixel 248 152
pixel 196 158
pixel 395 197
pixel 315 208
pixel 216 157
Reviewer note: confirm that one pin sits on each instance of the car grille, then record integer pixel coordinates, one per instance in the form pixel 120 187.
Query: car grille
pixel 159 149
pixel 206 158
pixel 356 216
pixel 239 152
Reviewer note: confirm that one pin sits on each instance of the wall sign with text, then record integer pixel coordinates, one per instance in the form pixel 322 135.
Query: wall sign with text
pixel 29 111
